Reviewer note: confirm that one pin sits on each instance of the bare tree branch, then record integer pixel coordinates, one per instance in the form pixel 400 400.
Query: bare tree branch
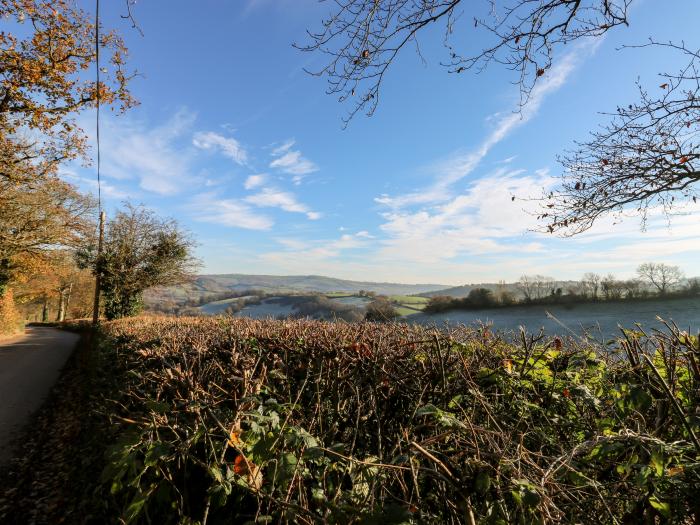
pixel 647 157
pixel 362 38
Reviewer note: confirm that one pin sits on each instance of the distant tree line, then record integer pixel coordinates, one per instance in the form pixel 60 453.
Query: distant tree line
pixel 653 281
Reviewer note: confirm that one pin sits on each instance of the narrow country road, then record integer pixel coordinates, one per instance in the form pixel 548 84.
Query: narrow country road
pixel 29 366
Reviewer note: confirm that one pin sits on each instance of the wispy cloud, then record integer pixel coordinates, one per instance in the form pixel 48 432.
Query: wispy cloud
pixel 461 165
pixel 481 221
pixel 255 181
pixel 274 198
pixel 228 146
pixel 132 150
pixel 316 251
pixel 90 184
pixel 292 161
pixel 207 207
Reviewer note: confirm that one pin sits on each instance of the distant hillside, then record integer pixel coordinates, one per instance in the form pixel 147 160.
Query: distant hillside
pixel 463 291
pixel 206 284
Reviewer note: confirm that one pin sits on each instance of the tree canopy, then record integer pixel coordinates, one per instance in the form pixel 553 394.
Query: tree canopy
pixel 140 251
pixel 46 50
pixel 36 218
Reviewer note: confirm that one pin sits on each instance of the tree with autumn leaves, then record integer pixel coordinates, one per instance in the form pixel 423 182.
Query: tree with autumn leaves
pixel 646 159
pixel 47 49
pixel 46 81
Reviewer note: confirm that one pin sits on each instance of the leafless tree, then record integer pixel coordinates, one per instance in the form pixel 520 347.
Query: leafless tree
pixel 590 282
pixel 612 288
pixel 662 276
pixel 646 158
pixel 526 285
pixel 362 38
pixel 536 286
pixel 632 287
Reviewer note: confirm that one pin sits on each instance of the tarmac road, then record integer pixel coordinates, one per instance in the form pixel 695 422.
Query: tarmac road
pixel 29 366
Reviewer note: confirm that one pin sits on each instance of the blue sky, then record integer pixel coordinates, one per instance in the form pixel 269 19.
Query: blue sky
pixel 246 151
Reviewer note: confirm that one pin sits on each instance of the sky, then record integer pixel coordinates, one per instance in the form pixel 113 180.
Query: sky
pixel 246 151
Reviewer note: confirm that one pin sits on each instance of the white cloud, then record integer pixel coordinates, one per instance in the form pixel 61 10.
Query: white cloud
pixel 315 252
pixel 461 165
pixel 228 146
pixel 131 150
pixel 292 161
pixel 481 221
pixel 255 181
pixel 273 198
pixel 206 207
pixel 107 190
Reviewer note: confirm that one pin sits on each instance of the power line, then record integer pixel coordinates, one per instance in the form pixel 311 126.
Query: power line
pixel 96 304
pixel 97 75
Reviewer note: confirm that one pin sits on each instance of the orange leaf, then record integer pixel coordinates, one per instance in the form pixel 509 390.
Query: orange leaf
pixel 234 438
pixel 683 160
pixel 240 466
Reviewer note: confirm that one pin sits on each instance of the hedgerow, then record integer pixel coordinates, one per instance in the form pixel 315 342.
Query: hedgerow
pixel 247 421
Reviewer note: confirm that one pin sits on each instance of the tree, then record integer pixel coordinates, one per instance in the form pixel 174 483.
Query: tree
pixel 59 284
pixel 140 251
pixel 362 38
pixel 662 276
pixel 647 158
pixel 37 218
pixel 46 49
pixel 590 282
pixel 632 288
pixel 527 286
pixel 612 288
pixel 381 310
pixel 480 297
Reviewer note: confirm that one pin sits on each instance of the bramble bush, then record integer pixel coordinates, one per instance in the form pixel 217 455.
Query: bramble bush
pixel 247 421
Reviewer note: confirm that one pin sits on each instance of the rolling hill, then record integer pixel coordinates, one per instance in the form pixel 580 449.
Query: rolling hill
pixel 203 285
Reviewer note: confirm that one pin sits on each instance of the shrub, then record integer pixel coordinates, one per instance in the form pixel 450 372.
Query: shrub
pixel 240 420
pixel 381 310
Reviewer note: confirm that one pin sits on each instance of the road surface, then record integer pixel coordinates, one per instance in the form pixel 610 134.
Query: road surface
pixel 29 366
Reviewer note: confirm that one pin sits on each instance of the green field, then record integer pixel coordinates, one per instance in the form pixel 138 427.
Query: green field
pixel 408 299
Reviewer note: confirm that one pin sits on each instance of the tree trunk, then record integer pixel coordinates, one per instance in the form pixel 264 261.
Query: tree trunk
pixel 63 299
pixel 45 311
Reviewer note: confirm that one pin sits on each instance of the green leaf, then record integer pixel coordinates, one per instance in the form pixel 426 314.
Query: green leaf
pixel 155 451
pixel 662 507
pixel 135 507
pixel 216 474
pixel 428 410
pixel 482 483
pixel 640 400
pixel 657 463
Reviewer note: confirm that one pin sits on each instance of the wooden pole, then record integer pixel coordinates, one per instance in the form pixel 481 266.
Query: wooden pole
pixel 96 304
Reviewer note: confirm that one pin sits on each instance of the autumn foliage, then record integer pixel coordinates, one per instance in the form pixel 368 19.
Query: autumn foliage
pixel 46 51
pixel 9 317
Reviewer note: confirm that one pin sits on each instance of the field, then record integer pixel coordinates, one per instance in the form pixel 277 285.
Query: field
pixel 408 304
pixel 217 420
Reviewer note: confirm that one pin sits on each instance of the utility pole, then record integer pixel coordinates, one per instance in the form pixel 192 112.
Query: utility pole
pixel 96 304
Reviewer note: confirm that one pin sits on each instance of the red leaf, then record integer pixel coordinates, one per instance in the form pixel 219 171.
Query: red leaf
pixel 683 160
